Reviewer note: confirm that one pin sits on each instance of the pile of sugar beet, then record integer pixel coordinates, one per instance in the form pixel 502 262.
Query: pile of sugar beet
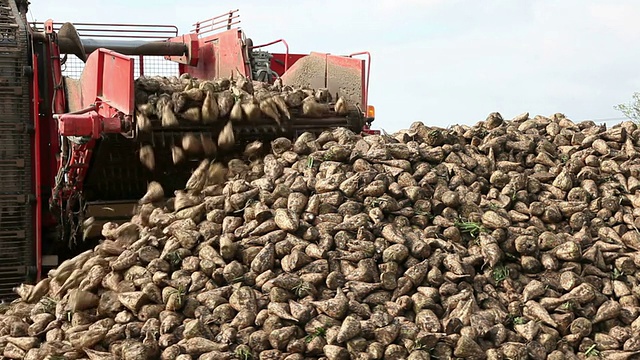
pixel 219 105
pixel 509 239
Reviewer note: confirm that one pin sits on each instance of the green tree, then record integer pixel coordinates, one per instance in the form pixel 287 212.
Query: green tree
pixel 631 109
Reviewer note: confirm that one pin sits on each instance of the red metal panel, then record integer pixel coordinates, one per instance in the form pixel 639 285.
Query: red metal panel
pixel 192 43
pixel 365 87
pixel 37 166
pixel 205 66
pixel 108 77
pixel 278 61
pixel 219 55
pixel 229 54
pixel 341 75
pixel 347 76
pixel 49 155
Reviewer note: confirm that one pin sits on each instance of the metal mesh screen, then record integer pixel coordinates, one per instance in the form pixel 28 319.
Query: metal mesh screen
pixel 151 66
pixel 157 65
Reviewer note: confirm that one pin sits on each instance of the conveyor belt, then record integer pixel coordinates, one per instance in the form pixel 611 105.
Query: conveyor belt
pixel 116 173
pixel 17 249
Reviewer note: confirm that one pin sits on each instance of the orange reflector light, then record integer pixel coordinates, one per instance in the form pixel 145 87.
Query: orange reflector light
pixel 371 111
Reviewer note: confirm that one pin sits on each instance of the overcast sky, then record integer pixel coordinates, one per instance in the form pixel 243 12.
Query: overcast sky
pixel 438 61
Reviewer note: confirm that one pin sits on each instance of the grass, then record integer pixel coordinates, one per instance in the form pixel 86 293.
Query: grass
pixel 500 273
pixel 474 229
pixel 592 351
pixel 567 305
pixel 244 354
pixel 493 206
pixel 512 257
pixel 175 259
pixel 319 332
pixel 515 320
pixel 302 289
pixel 180 293
pixel 418 345
pixel 616 274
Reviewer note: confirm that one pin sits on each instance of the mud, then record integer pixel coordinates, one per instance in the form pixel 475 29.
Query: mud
pixel 311 71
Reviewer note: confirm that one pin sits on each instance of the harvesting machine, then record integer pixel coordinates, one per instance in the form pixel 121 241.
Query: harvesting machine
pixel 69 140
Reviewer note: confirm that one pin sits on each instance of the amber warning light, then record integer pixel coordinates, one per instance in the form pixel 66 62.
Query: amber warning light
pixel 371 111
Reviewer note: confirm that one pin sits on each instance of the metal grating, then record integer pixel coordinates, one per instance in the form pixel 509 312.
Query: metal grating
pixel 151 66
pixel 17 245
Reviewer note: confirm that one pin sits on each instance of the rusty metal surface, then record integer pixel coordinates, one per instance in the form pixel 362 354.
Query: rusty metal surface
pixel 74 94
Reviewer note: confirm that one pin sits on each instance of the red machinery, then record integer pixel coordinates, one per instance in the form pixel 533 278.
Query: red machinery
pixel 68 137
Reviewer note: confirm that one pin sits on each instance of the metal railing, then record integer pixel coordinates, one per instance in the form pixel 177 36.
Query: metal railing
pixel 226 21
pixel 118 31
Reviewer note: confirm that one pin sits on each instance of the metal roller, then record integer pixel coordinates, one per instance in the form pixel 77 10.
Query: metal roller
pixel 70 42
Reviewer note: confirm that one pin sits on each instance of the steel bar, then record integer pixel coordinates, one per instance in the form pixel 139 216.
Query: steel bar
pixel 125 47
